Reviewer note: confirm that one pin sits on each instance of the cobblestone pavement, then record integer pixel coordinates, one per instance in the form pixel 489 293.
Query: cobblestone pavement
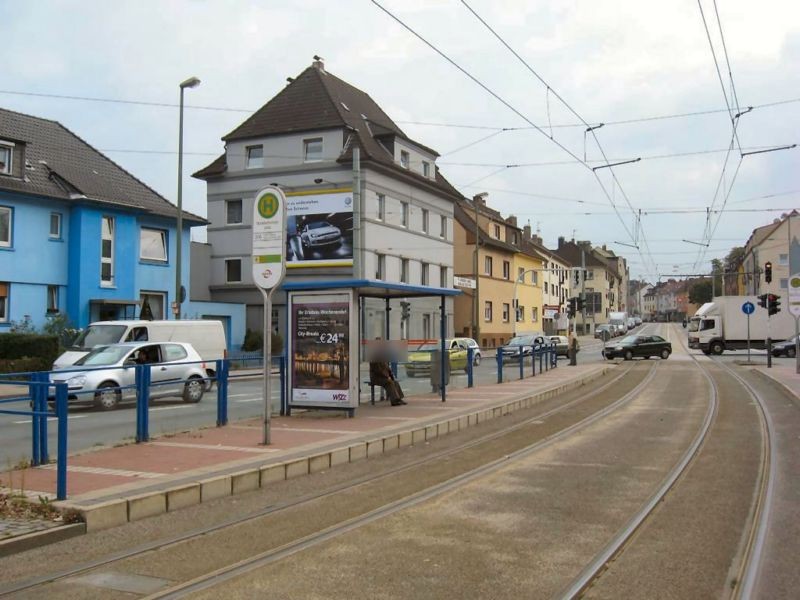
pixel 12 527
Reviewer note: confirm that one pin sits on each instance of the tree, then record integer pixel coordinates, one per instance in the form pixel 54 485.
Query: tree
pixel 700 292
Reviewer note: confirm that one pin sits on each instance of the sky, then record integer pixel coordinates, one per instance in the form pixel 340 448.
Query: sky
pixel 521 133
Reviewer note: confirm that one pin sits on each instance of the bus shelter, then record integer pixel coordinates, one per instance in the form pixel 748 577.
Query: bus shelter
pixel 325 332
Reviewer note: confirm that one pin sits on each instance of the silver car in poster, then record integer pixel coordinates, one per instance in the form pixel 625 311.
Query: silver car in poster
pixel 318 234
pixel 176 369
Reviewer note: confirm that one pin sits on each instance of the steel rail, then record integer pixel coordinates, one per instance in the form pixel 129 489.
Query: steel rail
pixel 203 531
pixel 617 544
pixel 270 556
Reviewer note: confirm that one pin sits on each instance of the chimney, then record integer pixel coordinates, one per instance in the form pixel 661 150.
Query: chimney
pixel 526 232
pixel 560 242
pixel 538 240
pixel 480 200
pixel 318 64
pixel 512 220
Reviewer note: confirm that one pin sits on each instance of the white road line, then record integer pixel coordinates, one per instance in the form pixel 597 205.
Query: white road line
pixel 176 407
pixel 249 400
pixel 49 419
pixel 309 430
pixel 215 447
pixel 238 395
pixel 102 471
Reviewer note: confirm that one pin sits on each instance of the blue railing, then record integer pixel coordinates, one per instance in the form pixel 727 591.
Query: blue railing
pixel 545 353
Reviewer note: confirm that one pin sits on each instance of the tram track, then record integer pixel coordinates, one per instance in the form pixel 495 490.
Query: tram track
pixel 621 379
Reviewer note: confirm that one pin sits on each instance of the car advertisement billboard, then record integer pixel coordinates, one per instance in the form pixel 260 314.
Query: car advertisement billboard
pixel 321 348
pixel 319 229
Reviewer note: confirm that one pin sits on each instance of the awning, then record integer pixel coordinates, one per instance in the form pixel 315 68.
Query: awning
pixel 114 302
pixel 372 288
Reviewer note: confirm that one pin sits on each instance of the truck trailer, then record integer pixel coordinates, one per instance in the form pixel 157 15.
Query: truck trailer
pixel 722 325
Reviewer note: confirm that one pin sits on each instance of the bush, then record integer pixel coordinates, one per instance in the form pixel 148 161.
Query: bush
pixel 253 341
pixel 27 352
pixel 59 325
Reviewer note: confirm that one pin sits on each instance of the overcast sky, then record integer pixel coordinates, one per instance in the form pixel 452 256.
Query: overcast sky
pixel 610 60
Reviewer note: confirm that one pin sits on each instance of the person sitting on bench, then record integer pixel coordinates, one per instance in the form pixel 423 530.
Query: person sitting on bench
pixel 381 374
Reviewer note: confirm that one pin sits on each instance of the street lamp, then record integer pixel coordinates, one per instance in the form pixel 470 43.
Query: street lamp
pixel 476 328
pixel 189 83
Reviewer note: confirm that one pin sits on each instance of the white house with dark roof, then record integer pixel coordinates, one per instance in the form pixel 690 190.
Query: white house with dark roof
pixel 303 139
pixel 81 236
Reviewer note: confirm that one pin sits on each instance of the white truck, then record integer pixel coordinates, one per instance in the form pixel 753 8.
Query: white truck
pixel 619 320
pixel 722 325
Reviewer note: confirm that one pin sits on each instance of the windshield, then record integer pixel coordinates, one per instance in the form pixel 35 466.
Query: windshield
pixel 98 335
pixel 629 340
pixel 694 325
pixel 106 355
pixel 706 324
pixel 521 340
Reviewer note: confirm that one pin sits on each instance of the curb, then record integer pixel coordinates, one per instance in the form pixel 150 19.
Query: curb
pixel 769 377
pixel 116 512
pixel 29 541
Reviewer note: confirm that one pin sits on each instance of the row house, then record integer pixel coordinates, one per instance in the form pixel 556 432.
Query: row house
pixel 558 284
pixel 83 239
pixel 775 243
pixel 304 140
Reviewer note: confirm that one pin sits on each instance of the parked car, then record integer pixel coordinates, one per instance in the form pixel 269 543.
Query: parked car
pixel 637 320
pixel 476 350
pixel 605 332
pixel 419 360
pixel 562 344
pixel 631 323
pixel 785 348
pixel 176 370
pixel 317 234
pixel 638 345
pixel 511 351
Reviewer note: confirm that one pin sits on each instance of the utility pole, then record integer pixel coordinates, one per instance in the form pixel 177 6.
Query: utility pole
pixel 583 290
pixel 357 259
pixel 476 329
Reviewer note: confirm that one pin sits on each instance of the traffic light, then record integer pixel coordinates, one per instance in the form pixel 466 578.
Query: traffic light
pixel 405 310
pixel 768 272
pixel 774 304
pixel 580 304
pixel 577 277
pixel 762 300
pixel 571 307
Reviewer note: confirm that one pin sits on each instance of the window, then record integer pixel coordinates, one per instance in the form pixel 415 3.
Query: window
pixel 497 232
pixel 152 304
pixel 6 155
pixel 381 207
pixel 443 227
pixel 52 298
pixel 534 278
pixel 255 157
pixel 55 226
pixel 233 212
pixel 425 220
pixel 404 270
pixel 153 244
pixel 233 270
pixel 506 270
pixel 520 276
pixel 426 168
pixel 487 311
pixel 784 283
pixel 425 269
pixel 174 352
pixel 312 149
pixel 545 287
pixel 534 314
pixel 487 265
pixel 5 226
pixel 506 312
pixel 521 313
pixel 381 271
pixel 514 238
pixel 404 214
pixel 783 259
pixel 405 159
pixel 4 302
pixel 107 252
pixel 443 277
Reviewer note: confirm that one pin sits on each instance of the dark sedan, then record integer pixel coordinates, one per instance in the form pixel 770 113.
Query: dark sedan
pixel 520 344
pixel 638 345
pixel 785 348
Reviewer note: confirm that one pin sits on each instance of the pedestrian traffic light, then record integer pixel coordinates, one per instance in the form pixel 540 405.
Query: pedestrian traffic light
pixel 405 310
pixel 768 272
pixel 773 304
pixel 762 300
pixel 580 304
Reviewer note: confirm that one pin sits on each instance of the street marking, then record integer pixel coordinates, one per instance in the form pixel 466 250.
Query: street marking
pixel 214 447
pixel 102 471
pixel 309 430
pixel 49 419
pixel 238 395
pixel 249 400
pixel 176 407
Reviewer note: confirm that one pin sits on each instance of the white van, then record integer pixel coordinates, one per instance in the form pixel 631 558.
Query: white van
pixel 207 337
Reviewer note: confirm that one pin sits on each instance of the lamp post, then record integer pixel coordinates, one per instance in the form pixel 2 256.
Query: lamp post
pixel 189 83
pixel 476 327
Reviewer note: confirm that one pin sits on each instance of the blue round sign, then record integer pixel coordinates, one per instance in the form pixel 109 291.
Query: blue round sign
pixel 748 308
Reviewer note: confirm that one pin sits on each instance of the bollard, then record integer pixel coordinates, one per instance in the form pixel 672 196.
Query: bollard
pixel 142 399
pixel 521 362
pixel 61 460
pixel 33 391
pixel 44 453
pixel 222 392
pixel 470 364
pixel 533 362
pixel 499 358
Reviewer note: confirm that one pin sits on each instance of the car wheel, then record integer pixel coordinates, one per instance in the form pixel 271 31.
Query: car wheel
pixel 476 360
pixel 717 348
pixel 107 396
pixel 664 354
pixel 193 390
pixel 628 355
pixel 790 352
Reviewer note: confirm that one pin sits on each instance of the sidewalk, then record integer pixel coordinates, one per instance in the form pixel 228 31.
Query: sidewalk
pixel 111 486
pixel 784 375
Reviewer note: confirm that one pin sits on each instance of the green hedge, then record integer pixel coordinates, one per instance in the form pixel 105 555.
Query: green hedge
pixel 27 352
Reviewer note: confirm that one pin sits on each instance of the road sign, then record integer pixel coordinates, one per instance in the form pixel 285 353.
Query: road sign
pixel 794 294
pixel 464 282
pixel 269 238
pixel 748 308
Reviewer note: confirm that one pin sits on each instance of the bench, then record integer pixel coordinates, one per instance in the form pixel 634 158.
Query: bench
pixel 372 391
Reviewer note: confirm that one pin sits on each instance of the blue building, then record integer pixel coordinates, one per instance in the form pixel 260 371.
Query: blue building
pixel 81 236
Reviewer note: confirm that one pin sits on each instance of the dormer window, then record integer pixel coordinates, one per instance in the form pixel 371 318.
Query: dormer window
pixel 312 150
pixel 426 168
pixel 405 159
pixel 255 157
pixel 6 156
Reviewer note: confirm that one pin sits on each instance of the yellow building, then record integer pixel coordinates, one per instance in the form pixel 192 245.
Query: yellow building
pixel 528 266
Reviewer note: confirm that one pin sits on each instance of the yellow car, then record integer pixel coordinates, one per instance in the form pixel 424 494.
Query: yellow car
pixel 419 359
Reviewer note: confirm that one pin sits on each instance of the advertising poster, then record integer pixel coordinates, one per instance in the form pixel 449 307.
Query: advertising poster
pixel 319 229
pixel 320 350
